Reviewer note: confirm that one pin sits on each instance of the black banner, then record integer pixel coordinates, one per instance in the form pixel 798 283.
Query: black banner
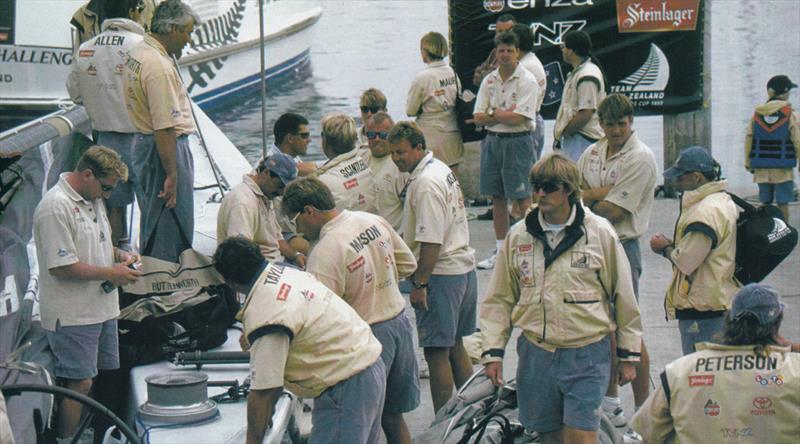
pixel 650 50
pixel 7 22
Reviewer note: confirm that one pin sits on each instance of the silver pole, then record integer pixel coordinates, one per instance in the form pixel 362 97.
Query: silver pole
pixel 263 78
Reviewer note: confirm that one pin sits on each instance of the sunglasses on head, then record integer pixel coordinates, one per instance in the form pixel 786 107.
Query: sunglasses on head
pixel 373 134
pixel 547 187
pixel 370 109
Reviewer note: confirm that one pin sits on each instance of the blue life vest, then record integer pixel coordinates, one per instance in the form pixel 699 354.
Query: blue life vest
pixel 772 141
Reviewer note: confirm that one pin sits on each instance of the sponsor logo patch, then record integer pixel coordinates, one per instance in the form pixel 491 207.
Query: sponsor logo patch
pixel 351 183
pixel 494 6
pixel 737 433
pixel 763 406
pixel 701 380
pixel 283 292
pixel 525 248
pixel 62 252
pixel 308 294
pixel 768 380
pixel 86 53
pixel 657 15
pixel 579 260
pixel 711 408
pixel 356 264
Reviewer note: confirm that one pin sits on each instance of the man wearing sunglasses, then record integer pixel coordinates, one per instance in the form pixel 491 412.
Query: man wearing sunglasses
pixel 292 138
pixel 562 277
pixel 372 102
pixel 95 82
pixel 389 181
pixel 249 210
pixel 76 257
pixel 618 176
pixel 506 106
pixel 346 172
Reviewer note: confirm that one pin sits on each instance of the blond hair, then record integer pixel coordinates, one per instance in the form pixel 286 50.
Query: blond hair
pixel 373 97
pixel 435 45
pixel 339 133
pixel 103 162
pixel 557 167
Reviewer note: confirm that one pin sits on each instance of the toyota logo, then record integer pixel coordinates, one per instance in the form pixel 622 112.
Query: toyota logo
pixel 762 402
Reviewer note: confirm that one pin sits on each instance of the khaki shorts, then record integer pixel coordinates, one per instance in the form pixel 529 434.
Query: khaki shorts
pixel 445 145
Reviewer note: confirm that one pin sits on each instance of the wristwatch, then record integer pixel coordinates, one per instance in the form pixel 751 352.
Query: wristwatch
pixel 418 285
pixel 490 113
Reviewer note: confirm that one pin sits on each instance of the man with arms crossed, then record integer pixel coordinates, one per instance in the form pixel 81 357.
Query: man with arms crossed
pixel 506 106
pixel 445 290
pixel 618 175
pixel 95 80
pixel 361 258
pixel 160 110
pixel 563 278
pixel 303 336
pixel 76 261
pixel 249 209
pixel 389 181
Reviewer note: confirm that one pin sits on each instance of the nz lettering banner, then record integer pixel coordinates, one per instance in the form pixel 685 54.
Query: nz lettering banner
pixel 650 50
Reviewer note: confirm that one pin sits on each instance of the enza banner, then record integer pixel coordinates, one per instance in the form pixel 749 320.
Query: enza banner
pixel 650 50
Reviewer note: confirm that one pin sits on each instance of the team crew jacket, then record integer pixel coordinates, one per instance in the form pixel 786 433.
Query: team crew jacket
pixel 350 180
pixel 570 104
pixel 710 211
pixel 561 298
pixel 329 342
pixel 725 393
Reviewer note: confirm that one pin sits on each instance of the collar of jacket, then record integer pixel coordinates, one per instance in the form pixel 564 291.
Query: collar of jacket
pixel 574 232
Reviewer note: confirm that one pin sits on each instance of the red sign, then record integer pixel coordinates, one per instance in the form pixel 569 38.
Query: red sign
pixel 352 183
pixel 283 292
pixel 701 381
pixel 657 15
pixel 356 264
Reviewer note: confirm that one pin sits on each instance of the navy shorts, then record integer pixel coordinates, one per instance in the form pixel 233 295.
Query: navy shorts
pixel 402 371
pixel 121 143
pixel 781 193
pixel 80 350
pixel 452 308
pixel 564 387
pixel 506 163
pixel 350 411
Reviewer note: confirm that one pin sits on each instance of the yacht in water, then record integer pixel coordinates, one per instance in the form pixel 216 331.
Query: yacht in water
pixel 223 63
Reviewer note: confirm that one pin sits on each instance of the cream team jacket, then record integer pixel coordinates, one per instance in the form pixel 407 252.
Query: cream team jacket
pixel 724 394
pixel 329 340
pixel 568 297
pixel 246 211
pixel 361 258
pixel 95 78
pixel 350 180
pixel 710 211
pixel 570 103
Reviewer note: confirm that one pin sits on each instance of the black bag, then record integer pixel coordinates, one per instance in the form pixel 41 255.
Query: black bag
pixel 156 327
pixel 763 240
pixel 465 106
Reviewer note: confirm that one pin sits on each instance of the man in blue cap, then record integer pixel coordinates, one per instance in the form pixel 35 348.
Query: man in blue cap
pixel 249 210
pixel 745 386
pixel 703 253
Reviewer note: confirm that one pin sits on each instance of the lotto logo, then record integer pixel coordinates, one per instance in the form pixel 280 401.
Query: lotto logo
pixel 767 380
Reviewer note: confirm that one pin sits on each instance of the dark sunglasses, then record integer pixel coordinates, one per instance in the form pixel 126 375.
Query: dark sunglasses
pixel 370 109
pixel 547 187
pixel 139 8
pixel 373 134
pixel 304 135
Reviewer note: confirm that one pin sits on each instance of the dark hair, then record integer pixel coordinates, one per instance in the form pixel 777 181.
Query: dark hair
pixel 506 18
pixel 119 8
pixel 581 44
pixel 408 131
pixel 524 35
pixel 614 107
pixel 747 330
pixel 506 38
pixel 238 259
pixel 307 191
pixel 288 123
pixel 715 174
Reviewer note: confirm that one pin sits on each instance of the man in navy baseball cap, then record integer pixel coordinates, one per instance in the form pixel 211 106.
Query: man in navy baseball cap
pixel 692 159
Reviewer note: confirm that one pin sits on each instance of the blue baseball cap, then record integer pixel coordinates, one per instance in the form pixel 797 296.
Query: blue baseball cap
pixel 761 301
pixel 282 166
pixel 694 158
